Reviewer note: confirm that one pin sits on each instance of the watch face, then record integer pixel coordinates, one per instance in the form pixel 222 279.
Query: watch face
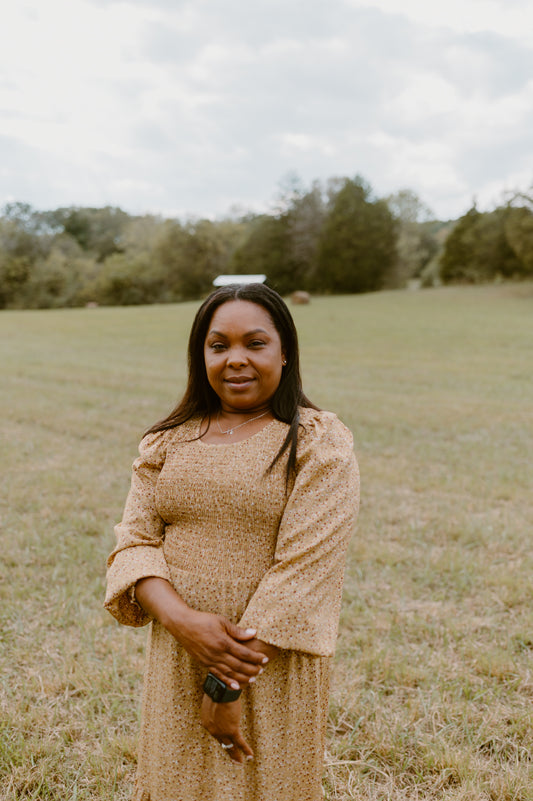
pixel 218 691
pixel 214 687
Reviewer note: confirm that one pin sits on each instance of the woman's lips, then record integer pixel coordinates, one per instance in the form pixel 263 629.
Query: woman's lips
pixel 238 382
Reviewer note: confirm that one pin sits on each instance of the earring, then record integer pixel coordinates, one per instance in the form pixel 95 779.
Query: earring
pixel 284 362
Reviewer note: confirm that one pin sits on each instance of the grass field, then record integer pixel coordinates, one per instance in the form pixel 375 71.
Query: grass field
pixel 434 682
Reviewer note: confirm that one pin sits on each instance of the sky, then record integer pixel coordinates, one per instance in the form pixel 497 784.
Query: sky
pixel 202 108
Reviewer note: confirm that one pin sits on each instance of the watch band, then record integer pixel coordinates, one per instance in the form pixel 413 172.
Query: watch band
pixel 219 692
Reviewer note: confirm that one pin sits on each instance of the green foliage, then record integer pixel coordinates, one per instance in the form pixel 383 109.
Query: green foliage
pixel 20 247
pixel 417 244
pixel 358 241
pixel 58 280
pixel 97 231
pixel 14 273
pixel 305 220
pixel 284 245
pixel 407 207
pixel 267 251
pixel 493 255
pixel 518 226
pixel 132 276
pixel 123 282
pixel 332 237
pixel 191 256
pixel 477 250
pixel 455 260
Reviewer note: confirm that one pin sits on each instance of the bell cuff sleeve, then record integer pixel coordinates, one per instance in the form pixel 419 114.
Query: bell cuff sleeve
pixel 139 550
pixel 296 605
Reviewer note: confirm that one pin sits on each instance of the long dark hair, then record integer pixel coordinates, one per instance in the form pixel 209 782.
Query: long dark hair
pixel 200 398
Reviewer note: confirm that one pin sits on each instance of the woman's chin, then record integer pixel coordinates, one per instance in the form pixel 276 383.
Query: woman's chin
pixel 243 403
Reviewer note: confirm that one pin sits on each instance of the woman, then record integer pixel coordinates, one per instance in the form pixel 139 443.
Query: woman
pixel 232 546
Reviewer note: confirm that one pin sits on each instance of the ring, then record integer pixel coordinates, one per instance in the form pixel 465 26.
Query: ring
pixel 227 745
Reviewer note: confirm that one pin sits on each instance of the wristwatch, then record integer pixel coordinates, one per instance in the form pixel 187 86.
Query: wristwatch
pixel 219 692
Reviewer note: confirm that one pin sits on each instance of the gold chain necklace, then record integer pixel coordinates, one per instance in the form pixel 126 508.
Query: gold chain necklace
pixel 231 430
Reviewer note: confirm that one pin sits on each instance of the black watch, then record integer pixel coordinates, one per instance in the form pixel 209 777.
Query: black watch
pixel 219 692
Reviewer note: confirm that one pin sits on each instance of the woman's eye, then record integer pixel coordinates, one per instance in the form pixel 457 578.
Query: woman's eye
pixel 217 346
pixel 257 343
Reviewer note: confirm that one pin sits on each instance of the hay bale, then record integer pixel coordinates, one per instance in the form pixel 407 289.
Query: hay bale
pixel 300 297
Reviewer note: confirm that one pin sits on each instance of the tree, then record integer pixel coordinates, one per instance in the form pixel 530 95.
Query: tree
pixel 284 245
pixel 358 241
pixel 190 257
pixel 20 247
pixel 305 219
pixel 416 244
pixel 519 228
pixel 58 280
pixel 407 207
pixel 477 249
pixel 98 232
pixel 266 251
pixel 455 261
pixel 124 281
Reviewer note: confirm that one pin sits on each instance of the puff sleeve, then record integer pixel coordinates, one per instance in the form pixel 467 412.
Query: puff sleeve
pixel 296 604
pixel 139 550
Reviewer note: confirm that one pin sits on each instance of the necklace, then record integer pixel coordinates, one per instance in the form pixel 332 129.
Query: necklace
pixel 231 430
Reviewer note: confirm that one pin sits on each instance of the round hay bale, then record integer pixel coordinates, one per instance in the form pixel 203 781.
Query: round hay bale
pixel 300 297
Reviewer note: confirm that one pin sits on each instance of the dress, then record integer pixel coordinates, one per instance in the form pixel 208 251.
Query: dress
pixel 233 540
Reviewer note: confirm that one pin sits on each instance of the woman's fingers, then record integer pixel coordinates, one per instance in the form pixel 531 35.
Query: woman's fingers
pixel 238 750
pixel 241 747
pixel 240 634
pixel 233 752
pixel 236 746
pixel 236 664
pixel 230 669
pixel 233 678
pixel 245 655
pixel 234 660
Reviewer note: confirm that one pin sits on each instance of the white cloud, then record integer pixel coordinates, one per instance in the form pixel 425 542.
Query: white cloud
pixel 423 96
pixel 292 143
pixel 506 17
pixel 196 105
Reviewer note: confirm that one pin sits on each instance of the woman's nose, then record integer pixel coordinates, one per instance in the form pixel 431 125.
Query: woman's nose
pixel 237 356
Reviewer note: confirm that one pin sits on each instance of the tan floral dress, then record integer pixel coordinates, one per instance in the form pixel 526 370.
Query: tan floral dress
pixel 233 540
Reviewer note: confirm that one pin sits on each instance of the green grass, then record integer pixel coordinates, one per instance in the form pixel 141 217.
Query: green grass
pixel 433 679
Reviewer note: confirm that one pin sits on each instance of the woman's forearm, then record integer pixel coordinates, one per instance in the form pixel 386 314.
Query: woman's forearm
pixel 212 640
pixel 160 600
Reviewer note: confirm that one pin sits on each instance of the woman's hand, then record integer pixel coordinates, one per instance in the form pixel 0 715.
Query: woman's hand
pixel 223 722
pixel 265 648
pixel 216 643
pixel 212 640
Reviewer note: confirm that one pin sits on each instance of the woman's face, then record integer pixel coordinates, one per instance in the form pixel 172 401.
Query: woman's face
pixel 243 356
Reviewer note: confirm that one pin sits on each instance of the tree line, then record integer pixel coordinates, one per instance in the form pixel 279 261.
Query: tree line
pixel 331 237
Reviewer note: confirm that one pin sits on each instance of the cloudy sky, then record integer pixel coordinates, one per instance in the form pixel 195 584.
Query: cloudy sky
pixel 191 107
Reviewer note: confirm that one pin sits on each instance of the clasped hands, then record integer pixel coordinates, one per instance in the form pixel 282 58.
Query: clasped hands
pixel 231 653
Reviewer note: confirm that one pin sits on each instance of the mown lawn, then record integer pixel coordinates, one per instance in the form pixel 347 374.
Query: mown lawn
pixel 433 689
